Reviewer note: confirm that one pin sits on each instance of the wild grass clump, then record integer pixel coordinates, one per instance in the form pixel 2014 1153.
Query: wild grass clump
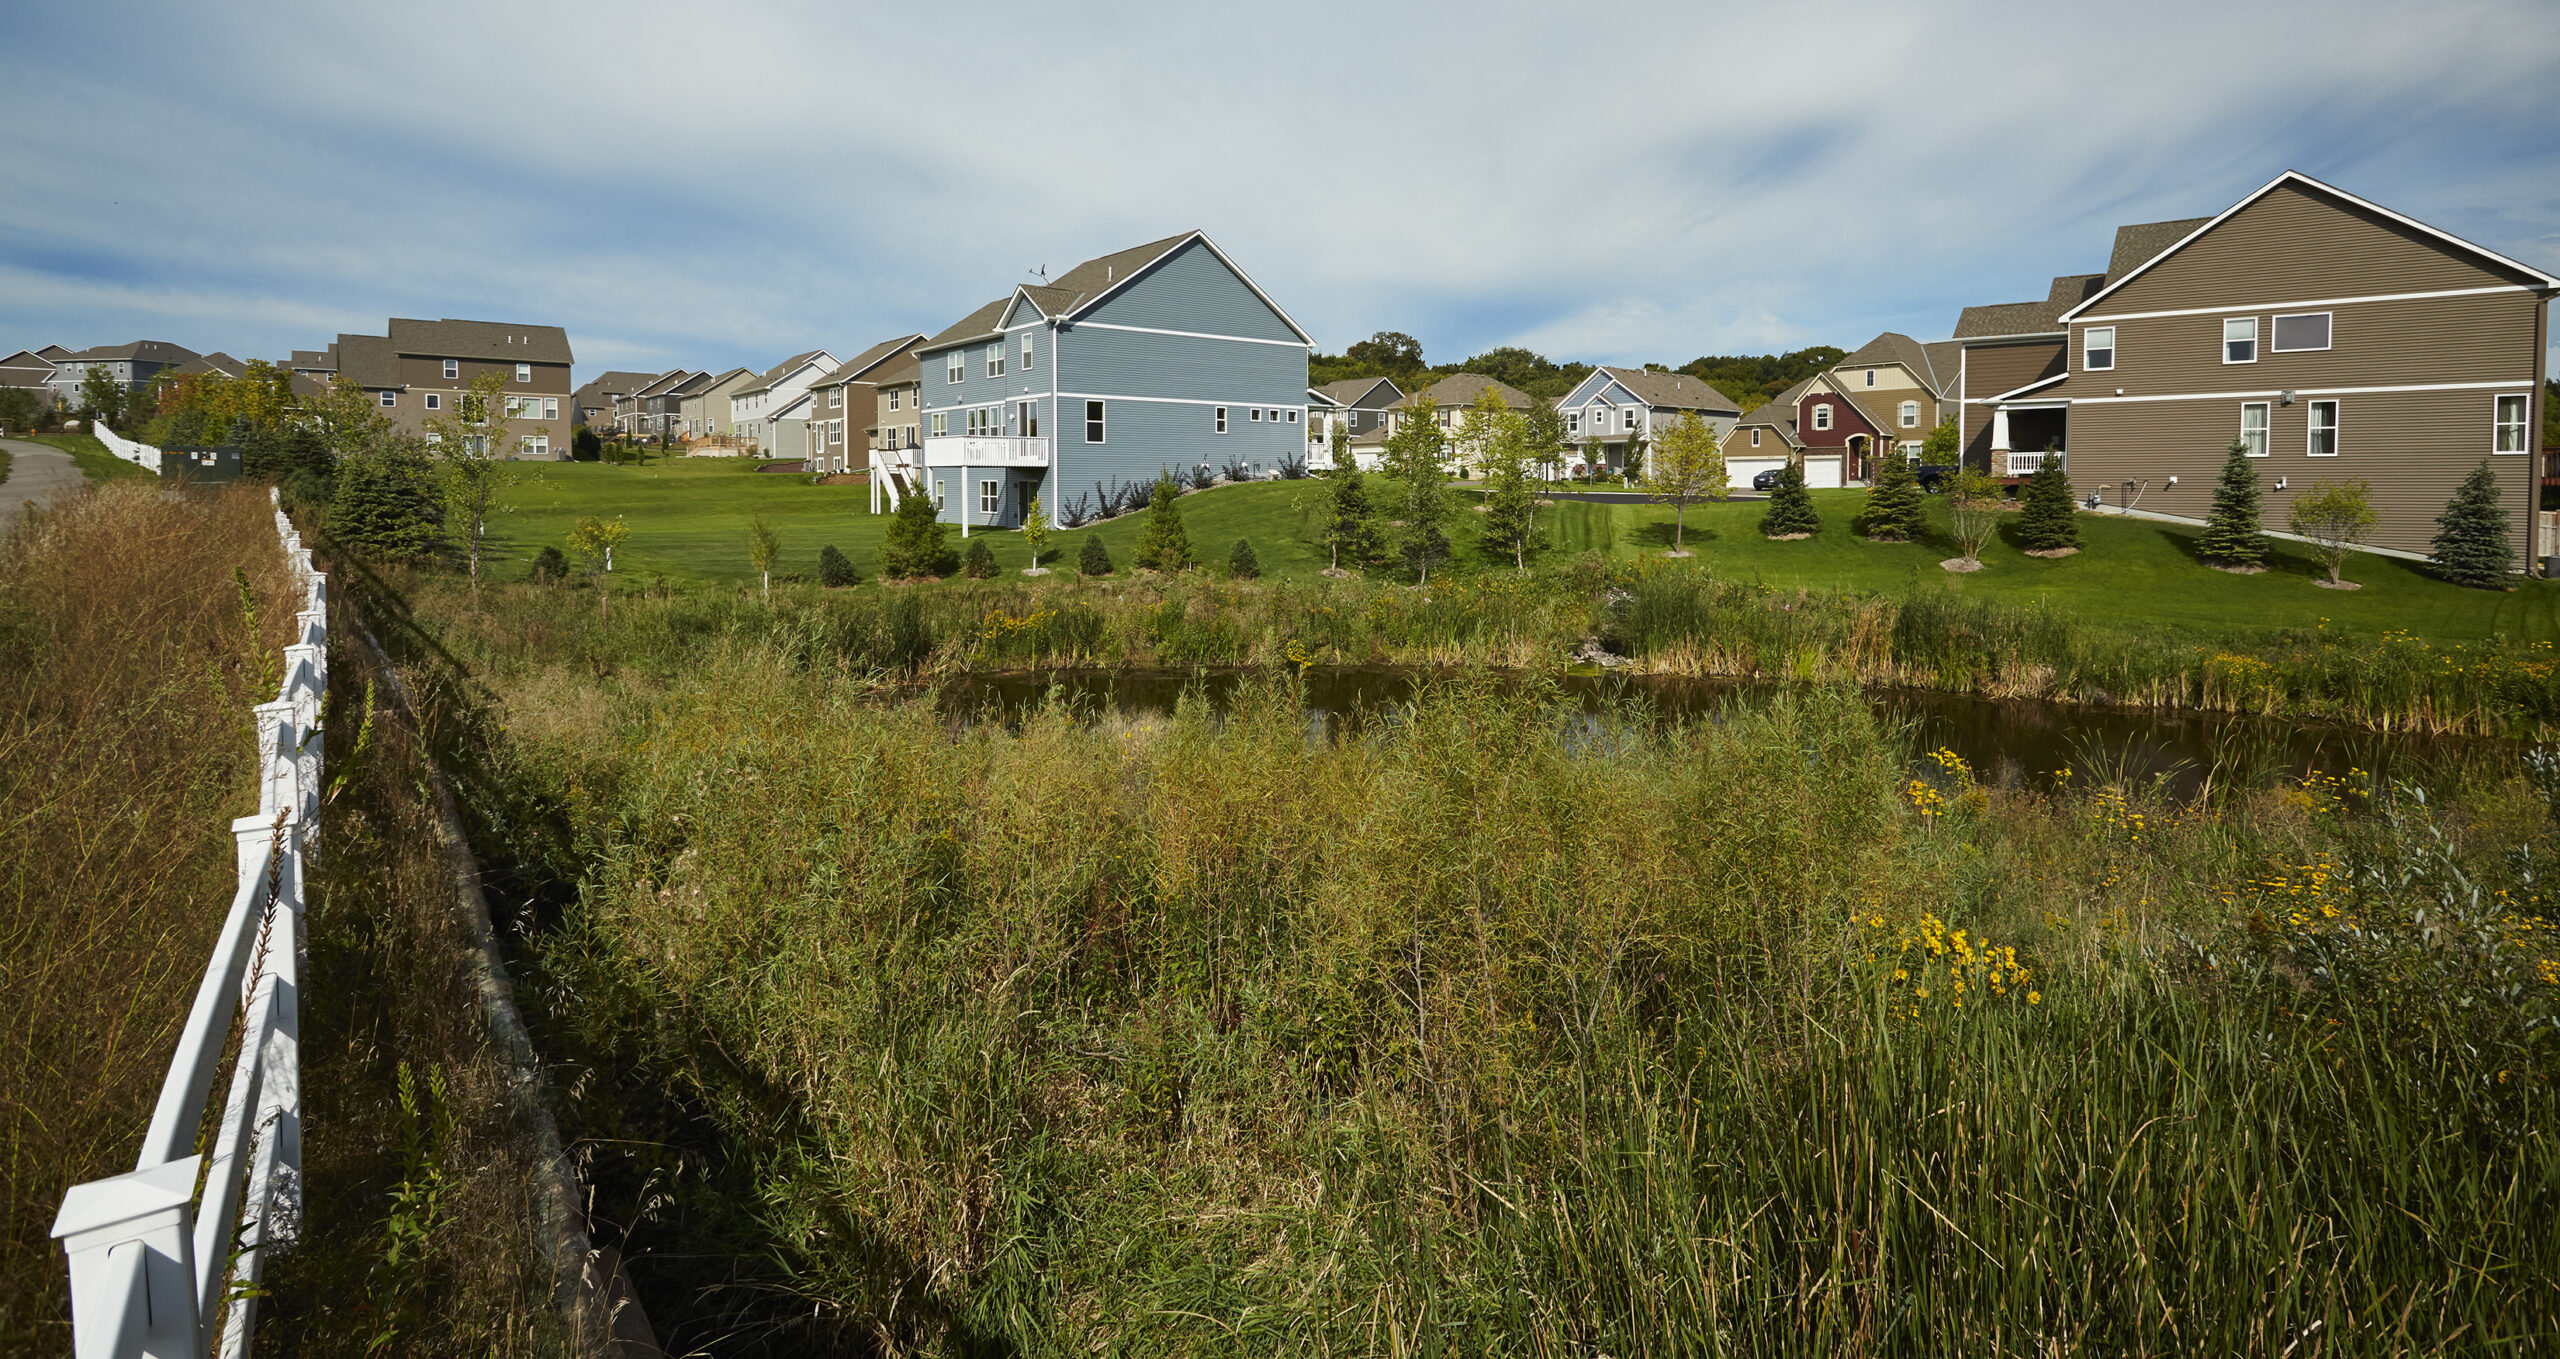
pixel 136 632
pixel 1497 1027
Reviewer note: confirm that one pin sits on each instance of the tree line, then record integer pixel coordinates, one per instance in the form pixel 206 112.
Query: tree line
pixel 1748 379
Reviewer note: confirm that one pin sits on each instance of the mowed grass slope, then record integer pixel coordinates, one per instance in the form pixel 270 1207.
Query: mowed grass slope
pixel 689 523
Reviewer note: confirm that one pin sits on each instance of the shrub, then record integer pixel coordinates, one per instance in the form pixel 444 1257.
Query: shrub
pixel 1095 559
pixel 1896 512
pixel 2335 519
pixel 1790 505
pixel 978 563
pixel 835 570
pixel 2231 532
pixel 1166 546
pixel 1241 563
pixel 915 546
pixel 585 445
pixel 2047 525
pixel 551 566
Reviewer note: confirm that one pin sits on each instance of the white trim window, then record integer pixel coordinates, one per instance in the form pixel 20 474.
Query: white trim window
pixel 435 401
pixel 1293 417
pixel 2240 339
pixel 955 367
pixel 2301 332
pixel 390 399
pixel 1026 351
pixel 1573 422
pixel 2512 414
pixel 1093 429
pixel 1755 438
pixel 995 359
pixel 2253 427
pixel 2098 349
pixel 1218 419
pixel 1027 415
pixel 1822 415
pixel 1254 415
pixel 1627 421
pixel 524 372
pixel 1910 451
pixel 534 446
pixel 1911 415
pixel 941 424
pixel 893 398
pixel 2323 440
pixel 990 498
pixel 452 369
pixel 550 408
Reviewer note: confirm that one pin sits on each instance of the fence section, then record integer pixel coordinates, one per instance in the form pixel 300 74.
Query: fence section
pixel 140 455
pixel 165 1260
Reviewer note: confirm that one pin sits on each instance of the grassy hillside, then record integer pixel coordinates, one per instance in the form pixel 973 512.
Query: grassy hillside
pixel 92 457
pixel 689 523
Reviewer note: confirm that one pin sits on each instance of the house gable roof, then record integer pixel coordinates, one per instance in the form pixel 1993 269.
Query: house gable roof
pixel 605 385
pixel 1671 391
pixel 1352 391
pixel 977 325
pixel 1459 390
pixel 1090 284
pixel 1915 358
pixel 860 364
pixel 1778 413
pixel 2447 240
pixel 139 351
pixel 498 341
pixel 779 372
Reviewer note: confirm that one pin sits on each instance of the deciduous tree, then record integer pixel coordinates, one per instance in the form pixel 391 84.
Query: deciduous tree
pixel 594 540
pixel 1511 498
pixel 2335 517
pixel 1035 530
pixel 1413 463
pixel 1973 510
pixel 1688 467
pixel 472 466
pixel 762 548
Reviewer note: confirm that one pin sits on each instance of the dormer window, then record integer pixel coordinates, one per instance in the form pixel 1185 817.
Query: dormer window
pixel 2098 348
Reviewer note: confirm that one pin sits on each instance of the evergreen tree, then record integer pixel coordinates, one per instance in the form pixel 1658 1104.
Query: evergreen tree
pixel 1413 460
pixel 387 504
pixel 1897 512
pixel 835 570
pixel 1790 505
pixel 1095 560
pixel 1241 563
pixel 550 566
pixel 2048 523
pixel 915 546
pixel 2471 546
pixel 2232 533
pixel 1349 526
pixel 1164 546
pixel 979 563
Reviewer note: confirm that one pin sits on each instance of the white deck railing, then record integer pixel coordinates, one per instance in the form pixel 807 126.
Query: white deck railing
pixel 140 455
pixel 2026 464
pixel 164 1257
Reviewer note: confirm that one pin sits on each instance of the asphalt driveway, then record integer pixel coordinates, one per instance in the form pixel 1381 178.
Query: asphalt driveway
pixel 36 473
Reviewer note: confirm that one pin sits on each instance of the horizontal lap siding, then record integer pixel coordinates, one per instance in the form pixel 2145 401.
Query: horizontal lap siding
pixel 1990 370
pixel 1142 439
pixel 1193 291
pixel 2487 338
pixel 2414 447
pixel 1134 363
pixel 2298 244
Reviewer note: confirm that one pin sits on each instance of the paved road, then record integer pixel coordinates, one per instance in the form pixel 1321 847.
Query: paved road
pixel 1632 497
pixel 36 473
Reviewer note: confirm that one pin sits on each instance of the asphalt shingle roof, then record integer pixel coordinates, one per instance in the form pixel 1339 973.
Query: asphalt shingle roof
pixel 1350 390
pixel 860 363
pixel 2138 245
pixel 139 351
pixel 502 341
pixel 1778 413
pixel 1672 391
pixel 976 324
pixel 778 372
pixel 1460 389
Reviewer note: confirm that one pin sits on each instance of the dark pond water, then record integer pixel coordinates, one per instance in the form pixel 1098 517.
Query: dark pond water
pixel 2008 741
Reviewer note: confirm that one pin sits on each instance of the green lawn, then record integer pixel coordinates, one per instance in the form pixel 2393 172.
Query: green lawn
pixel 689 522
pixel 90 456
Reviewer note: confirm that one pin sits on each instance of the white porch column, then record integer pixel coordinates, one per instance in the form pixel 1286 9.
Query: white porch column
pixel 1999 430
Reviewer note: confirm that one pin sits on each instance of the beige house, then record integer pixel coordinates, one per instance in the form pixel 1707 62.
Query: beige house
pixel 419 370
pixel 704 411
pixel 897 435
pixel 1452 395
pixel 844 405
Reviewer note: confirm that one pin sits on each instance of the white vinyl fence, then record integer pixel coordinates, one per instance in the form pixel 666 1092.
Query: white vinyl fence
pixel 165 1257
pixel 140 455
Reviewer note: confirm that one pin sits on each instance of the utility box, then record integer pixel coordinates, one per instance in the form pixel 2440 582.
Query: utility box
pixel 213 465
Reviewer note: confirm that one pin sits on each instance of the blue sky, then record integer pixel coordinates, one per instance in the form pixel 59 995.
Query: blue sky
pixel 720 185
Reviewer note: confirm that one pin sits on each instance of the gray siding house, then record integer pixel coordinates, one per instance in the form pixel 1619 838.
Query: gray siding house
pixel 1162 357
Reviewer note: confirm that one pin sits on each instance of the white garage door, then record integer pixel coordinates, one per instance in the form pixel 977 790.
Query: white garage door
pixel 1822 473
pixel 1740 471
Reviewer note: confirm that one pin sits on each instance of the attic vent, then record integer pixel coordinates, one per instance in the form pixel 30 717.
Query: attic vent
pixel 1106 272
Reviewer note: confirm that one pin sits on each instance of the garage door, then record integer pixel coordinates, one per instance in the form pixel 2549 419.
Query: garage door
pixel 1822 473
pixel 1740 471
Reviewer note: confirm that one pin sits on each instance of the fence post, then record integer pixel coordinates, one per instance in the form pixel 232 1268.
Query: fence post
pixel 131 1240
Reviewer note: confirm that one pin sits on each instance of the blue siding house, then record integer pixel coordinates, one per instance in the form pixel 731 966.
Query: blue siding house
pixel 1166 357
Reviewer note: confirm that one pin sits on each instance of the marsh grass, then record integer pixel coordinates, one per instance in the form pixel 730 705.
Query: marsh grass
pixel 1495 1028
pixel 130 656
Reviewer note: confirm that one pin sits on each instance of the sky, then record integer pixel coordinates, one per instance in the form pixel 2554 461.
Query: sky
pixel 714 186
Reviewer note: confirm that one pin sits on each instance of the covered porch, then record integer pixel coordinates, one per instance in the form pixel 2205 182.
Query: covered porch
pixel 985 481
pixel 2023 432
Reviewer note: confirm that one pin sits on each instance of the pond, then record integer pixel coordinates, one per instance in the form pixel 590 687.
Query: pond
pixel 2010 742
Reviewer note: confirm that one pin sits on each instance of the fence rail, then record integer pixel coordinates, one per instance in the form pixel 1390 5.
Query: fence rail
pixel 140 455
pixel 167 1258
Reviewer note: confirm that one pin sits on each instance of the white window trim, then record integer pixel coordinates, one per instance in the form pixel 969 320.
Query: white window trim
pixel 2266 431
pixel 524 372
pixel 452 369
pixel 990 497
pixel 1096 430
pixel 1254 415
pixel 1293 417
pixel 1026 352
pixel 2311 427
pixel 1910 415
pixel 1220 418
pixel 1822 416
pixel 390 400
pixel 955 367
pixel 2274 324
pixel 2253 339
pixel 2087 336
pixel 1573 422
pixel 2524 427
pixel 1755 438
pixel 435 401
pixel 995 359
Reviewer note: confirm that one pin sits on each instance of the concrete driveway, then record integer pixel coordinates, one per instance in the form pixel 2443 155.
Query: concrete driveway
pixel 36 473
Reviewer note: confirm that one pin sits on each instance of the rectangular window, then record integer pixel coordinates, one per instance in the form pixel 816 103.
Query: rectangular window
pixel 2324 429
pixel 434 401
pixel 452 368
pixel 390 399
pixel 1822 416
pixel 941 424
pixel 2098 348
pixel 1026 352
pixel 2240 340
pixel 2301 331
pixel 1909 452
pixel 1911 415
pixel 955 366
pixel 1871 377
pixel 1027 414
pixel 835 431
pixel 1573 422
pixel 995 359
pixel 550 408
pixel 990 497
pixel 524 372
pixel 1293 417
pixel 940 485
pixel 1093 422
pixel 1255 415
pixel 1627 421
pixel 2511 424
pixel 1218 419
pixel 534 446
pixel 893 398
pixel 1755 438
pixel 2253 427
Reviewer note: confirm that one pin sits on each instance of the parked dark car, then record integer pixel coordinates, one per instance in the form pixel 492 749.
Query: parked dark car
pixel 1767 481
pixel 1934 476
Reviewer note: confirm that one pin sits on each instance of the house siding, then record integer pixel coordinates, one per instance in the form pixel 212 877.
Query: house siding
pixel 1192 291
pixel 1846 421
pixel 1991 369
pixel 2482 338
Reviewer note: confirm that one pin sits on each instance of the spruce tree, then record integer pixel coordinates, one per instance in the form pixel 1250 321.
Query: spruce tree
pixel 2232 533
pixel 1095 559
pixel 1790 506
pixel 1896 510
pixel 835 570
pixel 2048 523
pixel 1164 546
pixel 387 505
pixel 915 545
pixel 1241 563
pixel 1349 527
pixel 979 563
pixel 2471 546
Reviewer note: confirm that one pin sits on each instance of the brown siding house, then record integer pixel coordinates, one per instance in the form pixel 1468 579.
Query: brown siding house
pixel 846 404
pixel 418 370
pixel 2333 337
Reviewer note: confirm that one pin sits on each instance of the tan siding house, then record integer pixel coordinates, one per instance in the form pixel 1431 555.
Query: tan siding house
pixel 2333 337
pixel 417 372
